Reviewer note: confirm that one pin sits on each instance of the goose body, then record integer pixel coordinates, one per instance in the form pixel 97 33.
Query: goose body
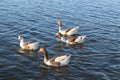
pixel 28 45
pixel 69 31
pixel 56 61
pixel 70 40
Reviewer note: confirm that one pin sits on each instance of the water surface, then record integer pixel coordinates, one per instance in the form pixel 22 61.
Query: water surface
pixel 97 59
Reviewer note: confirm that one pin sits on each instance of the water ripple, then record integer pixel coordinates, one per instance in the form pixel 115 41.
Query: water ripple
pixel 96 59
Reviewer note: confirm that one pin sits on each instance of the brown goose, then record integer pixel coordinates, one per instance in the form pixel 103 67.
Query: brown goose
pixel 69 31
pixel 70 40
pixel 56 61
pixel 28 45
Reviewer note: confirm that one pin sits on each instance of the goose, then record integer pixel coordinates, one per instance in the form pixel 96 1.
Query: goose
pixel 28 45
pixel 69 31
pixel 70 40
pixel 56 61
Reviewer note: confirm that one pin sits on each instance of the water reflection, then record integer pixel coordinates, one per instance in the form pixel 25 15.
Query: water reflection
pixel 56 71
pixel 30 52
pixel 60 45
pixel 81 45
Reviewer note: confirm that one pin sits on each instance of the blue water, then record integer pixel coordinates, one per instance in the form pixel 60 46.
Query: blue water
pixel 97 59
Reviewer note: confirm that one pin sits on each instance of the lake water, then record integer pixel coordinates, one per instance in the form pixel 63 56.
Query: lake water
pixel 97 59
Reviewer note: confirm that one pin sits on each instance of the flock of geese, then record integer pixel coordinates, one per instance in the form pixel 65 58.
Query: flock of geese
pixel 67 36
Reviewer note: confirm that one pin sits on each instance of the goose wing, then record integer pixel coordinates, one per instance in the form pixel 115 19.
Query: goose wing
pixel 72 31
pixel 72 38
pixel 80 39
pixel 26 45
pixel 58 58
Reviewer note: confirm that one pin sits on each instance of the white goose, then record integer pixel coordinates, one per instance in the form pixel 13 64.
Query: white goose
pixel 69 31
pixel 28 45
pixel 70 40
pixel 56 61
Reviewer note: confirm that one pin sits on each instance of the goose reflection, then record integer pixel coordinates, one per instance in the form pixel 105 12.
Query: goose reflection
pixel 23 51
pixel 55 71
pixel 60 46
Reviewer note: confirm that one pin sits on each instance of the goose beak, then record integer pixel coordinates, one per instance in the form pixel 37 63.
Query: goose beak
pixel 55 35
pixel 41 50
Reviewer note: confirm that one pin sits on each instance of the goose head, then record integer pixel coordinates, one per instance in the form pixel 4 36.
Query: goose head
pixel 59 23
pixel 59 35
pixel 20 37
pixel 42 50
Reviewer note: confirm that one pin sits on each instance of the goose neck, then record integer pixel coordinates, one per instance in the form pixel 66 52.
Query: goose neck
pixel 60 28
pixel 22 41
pixel 45 56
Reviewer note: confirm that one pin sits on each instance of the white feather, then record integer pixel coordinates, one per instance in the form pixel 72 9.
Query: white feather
pixel 65 61
pixel 34 45
pixel 80 39
pixel 60 58
pixel 73 30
